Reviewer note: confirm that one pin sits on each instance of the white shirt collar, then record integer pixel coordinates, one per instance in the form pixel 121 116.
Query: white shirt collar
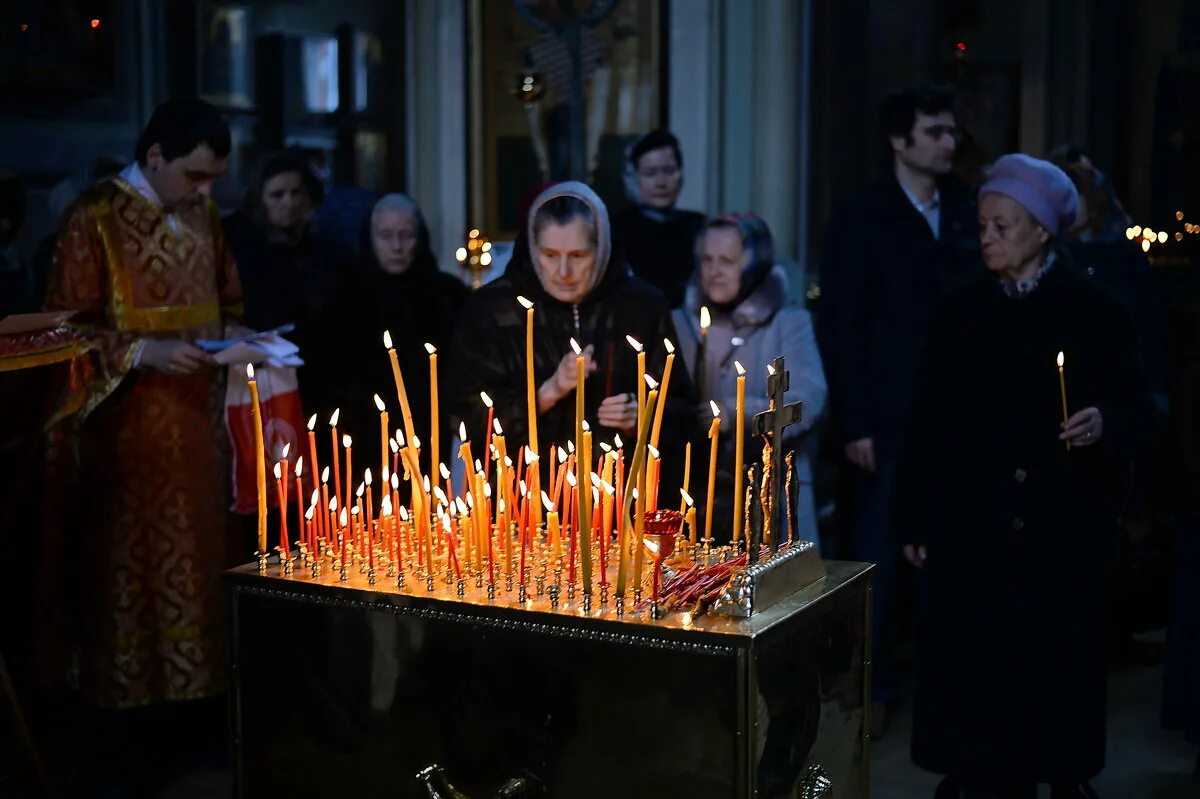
pixel 135 177
pixel 932 204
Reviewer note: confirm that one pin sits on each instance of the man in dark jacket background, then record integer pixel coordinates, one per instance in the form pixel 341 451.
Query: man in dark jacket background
pixel 889 252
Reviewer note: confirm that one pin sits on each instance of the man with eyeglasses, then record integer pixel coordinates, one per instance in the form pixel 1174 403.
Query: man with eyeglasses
pixel 658 239
pixel 889 253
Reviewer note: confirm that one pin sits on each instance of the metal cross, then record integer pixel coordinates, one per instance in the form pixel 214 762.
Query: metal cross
pixel 771 424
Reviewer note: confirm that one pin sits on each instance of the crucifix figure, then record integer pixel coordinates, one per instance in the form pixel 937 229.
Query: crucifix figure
pixel 770 424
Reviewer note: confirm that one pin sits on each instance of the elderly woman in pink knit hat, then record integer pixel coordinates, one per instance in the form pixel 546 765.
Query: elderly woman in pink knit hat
pixel 1007 497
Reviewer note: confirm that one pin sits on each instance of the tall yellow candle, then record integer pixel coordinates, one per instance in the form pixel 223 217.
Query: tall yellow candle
pixel 401 393
pixel 635 470
pixel 739 498
pixel 260 460
pixel 641 376
pixel 687 472
pixel 1062 389
pixel 689 517
pixel 662 394
pixel 530 388
pixel 384 436
pixel 435 439
pixel 337 460
pixel 552 529
pixel 585 510
pixel 714 432
pixel 347 443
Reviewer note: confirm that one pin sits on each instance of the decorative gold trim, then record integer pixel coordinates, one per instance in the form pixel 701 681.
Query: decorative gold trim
pixel 65 352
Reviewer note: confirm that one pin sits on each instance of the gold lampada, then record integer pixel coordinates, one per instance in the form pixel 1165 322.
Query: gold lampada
pixel 475 257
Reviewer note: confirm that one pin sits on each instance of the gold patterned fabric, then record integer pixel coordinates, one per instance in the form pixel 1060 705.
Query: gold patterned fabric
pixel 149 528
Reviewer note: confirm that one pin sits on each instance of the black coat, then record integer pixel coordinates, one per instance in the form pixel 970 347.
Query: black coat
pixel 488 354
pixel 881 273
pixel 661 252
pixel 1020 531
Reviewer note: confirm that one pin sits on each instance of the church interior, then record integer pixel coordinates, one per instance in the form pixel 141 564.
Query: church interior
pixel 571 398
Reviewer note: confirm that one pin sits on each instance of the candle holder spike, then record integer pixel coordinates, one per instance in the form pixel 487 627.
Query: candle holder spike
pixel 262 562
pixel 554 597
pixel 619 602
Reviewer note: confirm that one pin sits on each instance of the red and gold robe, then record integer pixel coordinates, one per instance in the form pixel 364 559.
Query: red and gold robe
pixel 150 531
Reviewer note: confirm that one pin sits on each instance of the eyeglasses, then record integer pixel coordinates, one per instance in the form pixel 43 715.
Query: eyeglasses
pixel 652 172
pixel 936 132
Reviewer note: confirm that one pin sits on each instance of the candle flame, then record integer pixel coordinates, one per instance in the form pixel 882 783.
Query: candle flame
pixel 342 518
pixel 462 432
pixel 347 442
pixel 608 488
pixel 286 449
pixel 460 506
pixel 358 492
pixel 705 318
pixel 562 453
pixel 686 497
pixel 741 370
pixel 308 514
pixel 531 457
pixel 633 342
pixel 443 471
pixel 526 304
pixel 716 411
pixel 487 490
pixel 357 509
pixel 300 466
pixel 575 346
pixel 333 417
pixel 399 437
pixel 426 483
pixel 312 422
pixel 316 495
pixel 770 370
pixel 386 473
pixel 278 470
pixel 1061 360
pixel 651 544
pixel 651 382
pixel 508 464
pixel 478 465
pixel 606 447
pixel 635 493
pixel 571 481
pixel 500 505
pixel 432 350
pixel 379 404
pixel 387 339
pixel 249 371
pixel 487 401
pixel 595 496
pixel 395 481
pixel 595 479
pixel 416 443
pixel 367 476
pixel 653 450
pixel 546 501
pixel 403 513
pixel 496 426
pixel 670 347
pixel 333 503
pixel 385 507
pixel 587 428
pixel 441 495
pixel 571 447
pixel 325 475
pixel 445 522
pixel 617 441
pixel 470 501
pixel 524 488
pixel 393 446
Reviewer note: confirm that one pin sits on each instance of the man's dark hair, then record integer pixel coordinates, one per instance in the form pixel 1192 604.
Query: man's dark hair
pixel 654 140
pixel 180 126
pixel 898 111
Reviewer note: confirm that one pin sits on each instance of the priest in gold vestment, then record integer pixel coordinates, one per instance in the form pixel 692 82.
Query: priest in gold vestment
pixel 142 260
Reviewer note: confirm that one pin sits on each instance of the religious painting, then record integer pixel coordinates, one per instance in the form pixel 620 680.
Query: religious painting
pixel 559 90
pixel 225 50
pixel 319 65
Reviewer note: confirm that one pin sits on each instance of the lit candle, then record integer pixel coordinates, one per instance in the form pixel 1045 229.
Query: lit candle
pixel 652 467
pixel 300 501
pixel 739 498
pixel 702 352
pixel 384 437
pixel 326 530
pixel 337 468
pixel 491 417
pixel 635 468
pixel 260 460
pixel 689 517
pixel 533 478
pixel 552 525
pixel 346 443
pixel 662 394
pixel 398 379
pixel 714 432
pixel 313 467
pixel 1062 389
pixel 579 377
pixel 529 383
pixel 281 494
pixel 585 510
pixel 435 439
pixel 641 376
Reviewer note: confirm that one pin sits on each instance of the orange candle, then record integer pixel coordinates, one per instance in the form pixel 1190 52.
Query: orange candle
pixel 281 494
pixel 337 468
pixel 384 437
pixel 585 510
pixel 714 432
pixel 689 517
pixel 739 497
pixel 435 437
pixel 530 388
pixel 300 501
pixel 641 376
pixel 662 394
pixel 347 444
pixel 491 418
pixel 260 460
pixel 401 394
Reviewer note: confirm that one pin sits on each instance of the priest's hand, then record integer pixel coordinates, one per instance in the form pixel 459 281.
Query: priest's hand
pixel 1083 429
pixel 173 357
pixel 915 554
pixel 620 413
pixel 562 382
pixel 862 454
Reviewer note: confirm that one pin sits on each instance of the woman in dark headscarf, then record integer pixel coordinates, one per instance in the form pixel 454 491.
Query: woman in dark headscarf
pixel 658 238
pixel 398 287
pixel 753 322
pixel 563 262
pixel 1010 509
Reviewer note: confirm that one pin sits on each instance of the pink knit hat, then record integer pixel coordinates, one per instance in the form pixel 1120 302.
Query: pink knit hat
pixel 1039 186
